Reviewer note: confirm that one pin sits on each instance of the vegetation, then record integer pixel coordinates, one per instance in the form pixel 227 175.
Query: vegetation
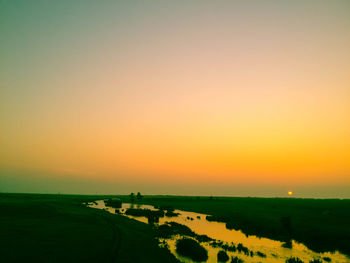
pixel 172 228
pixel 228 247
pixel 236 260
pixel 294 260
pixel 152 216
pixel 242 248
pixel 261 254
pixel 315 261
pixel 233 248
pixel 288 244
pixel 58 228
pixel 165 207
pixel 191 248
pixel 113 202
pixel 322 225
pixel 139 196
pixel 132 197
pixel 171 214
pixel 144 212
pixel 222 256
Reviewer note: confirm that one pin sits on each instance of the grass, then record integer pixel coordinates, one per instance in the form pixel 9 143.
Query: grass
pixel 322 225
pixel 58 228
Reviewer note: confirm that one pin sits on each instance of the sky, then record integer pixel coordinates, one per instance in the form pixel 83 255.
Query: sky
pixel 239 98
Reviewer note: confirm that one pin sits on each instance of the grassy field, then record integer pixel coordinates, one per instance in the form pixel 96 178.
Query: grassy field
pixel 58 228
pixel 323 225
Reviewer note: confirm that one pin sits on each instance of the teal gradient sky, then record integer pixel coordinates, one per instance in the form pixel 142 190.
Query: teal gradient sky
pixel 178 97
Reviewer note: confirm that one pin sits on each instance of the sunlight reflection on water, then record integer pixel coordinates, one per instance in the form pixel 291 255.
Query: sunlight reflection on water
pixel 272 248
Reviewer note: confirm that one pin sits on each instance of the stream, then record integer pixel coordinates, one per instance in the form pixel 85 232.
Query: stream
pixel 272 249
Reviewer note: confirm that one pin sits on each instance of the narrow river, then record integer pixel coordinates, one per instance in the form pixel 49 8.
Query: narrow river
pixel 273 249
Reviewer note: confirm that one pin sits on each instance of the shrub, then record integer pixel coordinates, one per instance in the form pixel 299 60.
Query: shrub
pixel 315 261
pixel 294 260
pixel 115 202
pixel 236 260
pixel 144 212
pixel 242 248
pixel 191 248
pixel 172 228
pixel 260 254
pixel 166 207
pixel 170 213
pixel 203 238
pixel 288 244
pixel 164 231
pixel 222 256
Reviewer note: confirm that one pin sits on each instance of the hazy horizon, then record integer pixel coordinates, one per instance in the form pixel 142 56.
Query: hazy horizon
pixel 243 98
pixel 37 182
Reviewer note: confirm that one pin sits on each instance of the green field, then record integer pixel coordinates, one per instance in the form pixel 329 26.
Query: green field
pixel 58 228
pixel 323 225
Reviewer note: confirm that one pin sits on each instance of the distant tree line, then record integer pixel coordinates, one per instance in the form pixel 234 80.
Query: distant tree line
pixel 138 196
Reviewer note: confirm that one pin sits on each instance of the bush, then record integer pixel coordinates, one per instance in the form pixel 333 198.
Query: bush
pixel 164 231
pixel 166 208
pixel 288 244
pixel 170 213
pixel 261 254
pixel 222 256
pixel 236 260
pixel 144 212
pixel 294 260
pixel 203 238
pixel 242 248
pixel 115 202
pixel 191 248
pixel 172 228
pixel 315 261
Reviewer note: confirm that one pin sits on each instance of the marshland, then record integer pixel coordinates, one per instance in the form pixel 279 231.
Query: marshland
pixel 167 131
pixel 78 228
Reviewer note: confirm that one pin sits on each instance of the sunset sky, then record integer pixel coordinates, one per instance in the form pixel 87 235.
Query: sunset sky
pixel 241 98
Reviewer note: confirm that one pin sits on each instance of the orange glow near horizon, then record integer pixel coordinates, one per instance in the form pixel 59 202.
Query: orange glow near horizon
pixel 212 97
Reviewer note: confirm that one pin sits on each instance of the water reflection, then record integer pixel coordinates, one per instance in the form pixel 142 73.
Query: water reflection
pixel 197 222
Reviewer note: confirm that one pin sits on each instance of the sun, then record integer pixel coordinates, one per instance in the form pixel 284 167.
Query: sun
pixel 290 193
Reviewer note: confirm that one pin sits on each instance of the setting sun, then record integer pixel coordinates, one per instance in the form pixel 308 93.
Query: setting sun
pixel 223 125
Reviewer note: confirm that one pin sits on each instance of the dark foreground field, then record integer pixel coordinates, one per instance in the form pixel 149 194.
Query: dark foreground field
pixel 57 228
pixel 323 225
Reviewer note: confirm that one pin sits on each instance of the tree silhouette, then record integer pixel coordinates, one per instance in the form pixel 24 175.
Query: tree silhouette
pixel 139 196
pixel 132 197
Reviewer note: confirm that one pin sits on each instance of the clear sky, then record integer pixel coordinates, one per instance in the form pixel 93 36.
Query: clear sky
pixel 244 98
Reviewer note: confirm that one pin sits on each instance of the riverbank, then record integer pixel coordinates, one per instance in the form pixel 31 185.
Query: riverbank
pixel 321 224
pixel 58 228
